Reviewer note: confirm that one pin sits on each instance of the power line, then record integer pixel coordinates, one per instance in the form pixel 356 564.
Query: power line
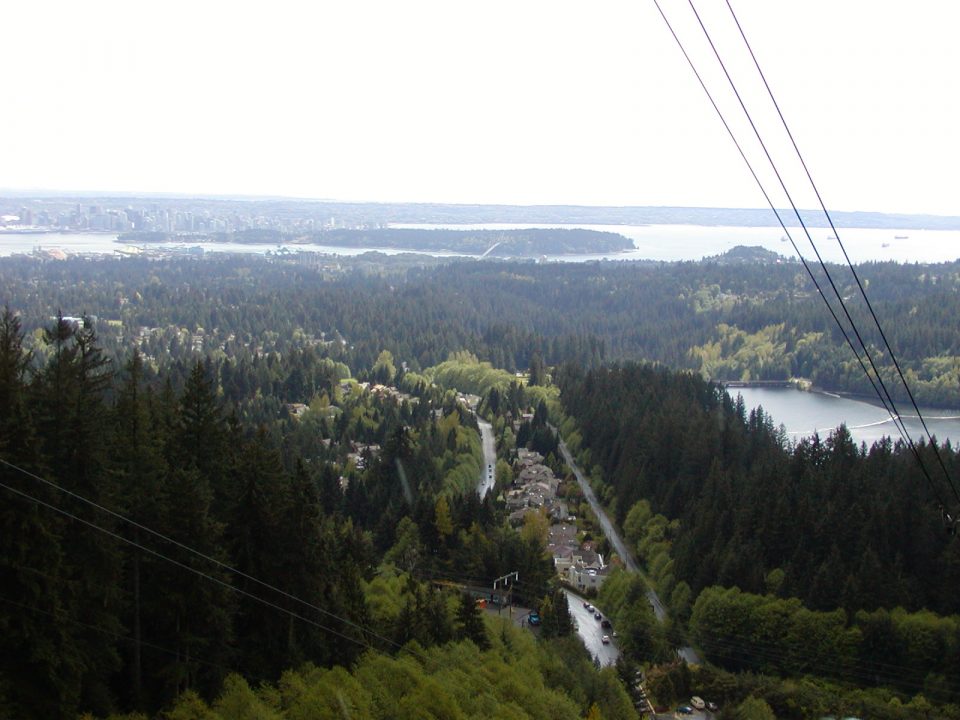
pixel 363 629
pixel 883 395
pixel 191 550
pixel 195 571
pixel 836 234
pixel 895 416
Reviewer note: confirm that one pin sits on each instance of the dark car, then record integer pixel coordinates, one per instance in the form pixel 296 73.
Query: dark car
pixel 685 710
pixel 534 618
pixel 598 616
pixel 604 623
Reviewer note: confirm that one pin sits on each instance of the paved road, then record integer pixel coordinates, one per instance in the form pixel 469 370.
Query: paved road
pixel 589 630
pixel 687 653
pixel 605 523
pixel 487 477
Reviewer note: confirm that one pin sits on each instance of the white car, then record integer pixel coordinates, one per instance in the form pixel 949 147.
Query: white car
pixel 698 702
pixel 605 639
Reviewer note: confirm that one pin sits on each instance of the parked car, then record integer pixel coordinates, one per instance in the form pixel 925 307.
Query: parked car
pixel 698 702
pixel 587 606
pixel 533 618
pixel 598 616
pixel 685 710
pixel 605 623
pixel 712 707
pixel 605 639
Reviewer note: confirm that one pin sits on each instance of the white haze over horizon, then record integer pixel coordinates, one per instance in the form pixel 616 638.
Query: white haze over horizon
pixel 539 102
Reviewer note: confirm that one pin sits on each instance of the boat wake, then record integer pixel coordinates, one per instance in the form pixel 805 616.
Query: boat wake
pixel 875 423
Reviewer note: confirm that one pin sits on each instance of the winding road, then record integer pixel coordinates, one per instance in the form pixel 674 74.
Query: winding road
pixel 591 632
pixel 686 652
pixel 488 471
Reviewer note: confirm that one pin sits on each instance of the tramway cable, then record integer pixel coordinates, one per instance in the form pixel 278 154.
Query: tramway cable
pixel 836 234
pixel 889 404
pixel 189 549
pixel 897 420
pixel 211 578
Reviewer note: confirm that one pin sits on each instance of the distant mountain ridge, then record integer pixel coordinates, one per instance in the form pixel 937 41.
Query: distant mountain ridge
pixel 739 217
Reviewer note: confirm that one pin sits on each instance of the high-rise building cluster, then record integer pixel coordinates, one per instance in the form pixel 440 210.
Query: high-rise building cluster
pixel 170 216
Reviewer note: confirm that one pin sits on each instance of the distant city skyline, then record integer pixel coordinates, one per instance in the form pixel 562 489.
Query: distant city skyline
pixel 539 103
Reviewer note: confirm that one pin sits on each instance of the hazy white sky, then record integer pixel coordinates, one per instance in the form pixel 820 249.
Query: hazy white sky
pixel 526 101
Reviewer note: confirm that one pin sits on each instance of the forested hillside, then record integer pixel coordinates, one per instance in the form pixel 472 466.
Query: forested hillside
pixel 845 527
pixel 713 496
pixel 295 420
pixel 153 540
pixel 729 321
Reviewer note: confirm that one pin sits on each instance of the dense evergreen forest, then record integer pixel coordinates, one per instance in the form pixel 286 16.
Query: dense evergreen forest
pixel 847 526
pixel 727 320
pixel 294 419
pixel 842 548
pixel 153 541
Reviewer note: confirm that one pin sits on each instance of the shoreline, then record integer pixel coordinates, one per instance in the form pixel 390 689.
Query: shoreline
pixel 804 385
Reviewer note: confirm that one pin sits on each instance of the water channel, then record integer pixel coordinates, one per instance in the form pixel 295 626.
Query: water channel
pixel 651 242
pixel 803 413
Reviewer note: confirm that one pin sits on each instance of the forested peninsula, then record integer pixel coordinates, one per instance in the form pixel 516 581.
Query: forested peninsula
pixel 530 242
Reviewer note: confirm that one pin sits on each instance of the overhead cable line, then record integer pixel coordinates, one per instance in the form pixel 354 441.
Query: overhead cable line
pixel 770 202
pixel 898 423
pixel 195 571
pixel 796 212
pixel 888 403
pixel 191 550
pixel 836 234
